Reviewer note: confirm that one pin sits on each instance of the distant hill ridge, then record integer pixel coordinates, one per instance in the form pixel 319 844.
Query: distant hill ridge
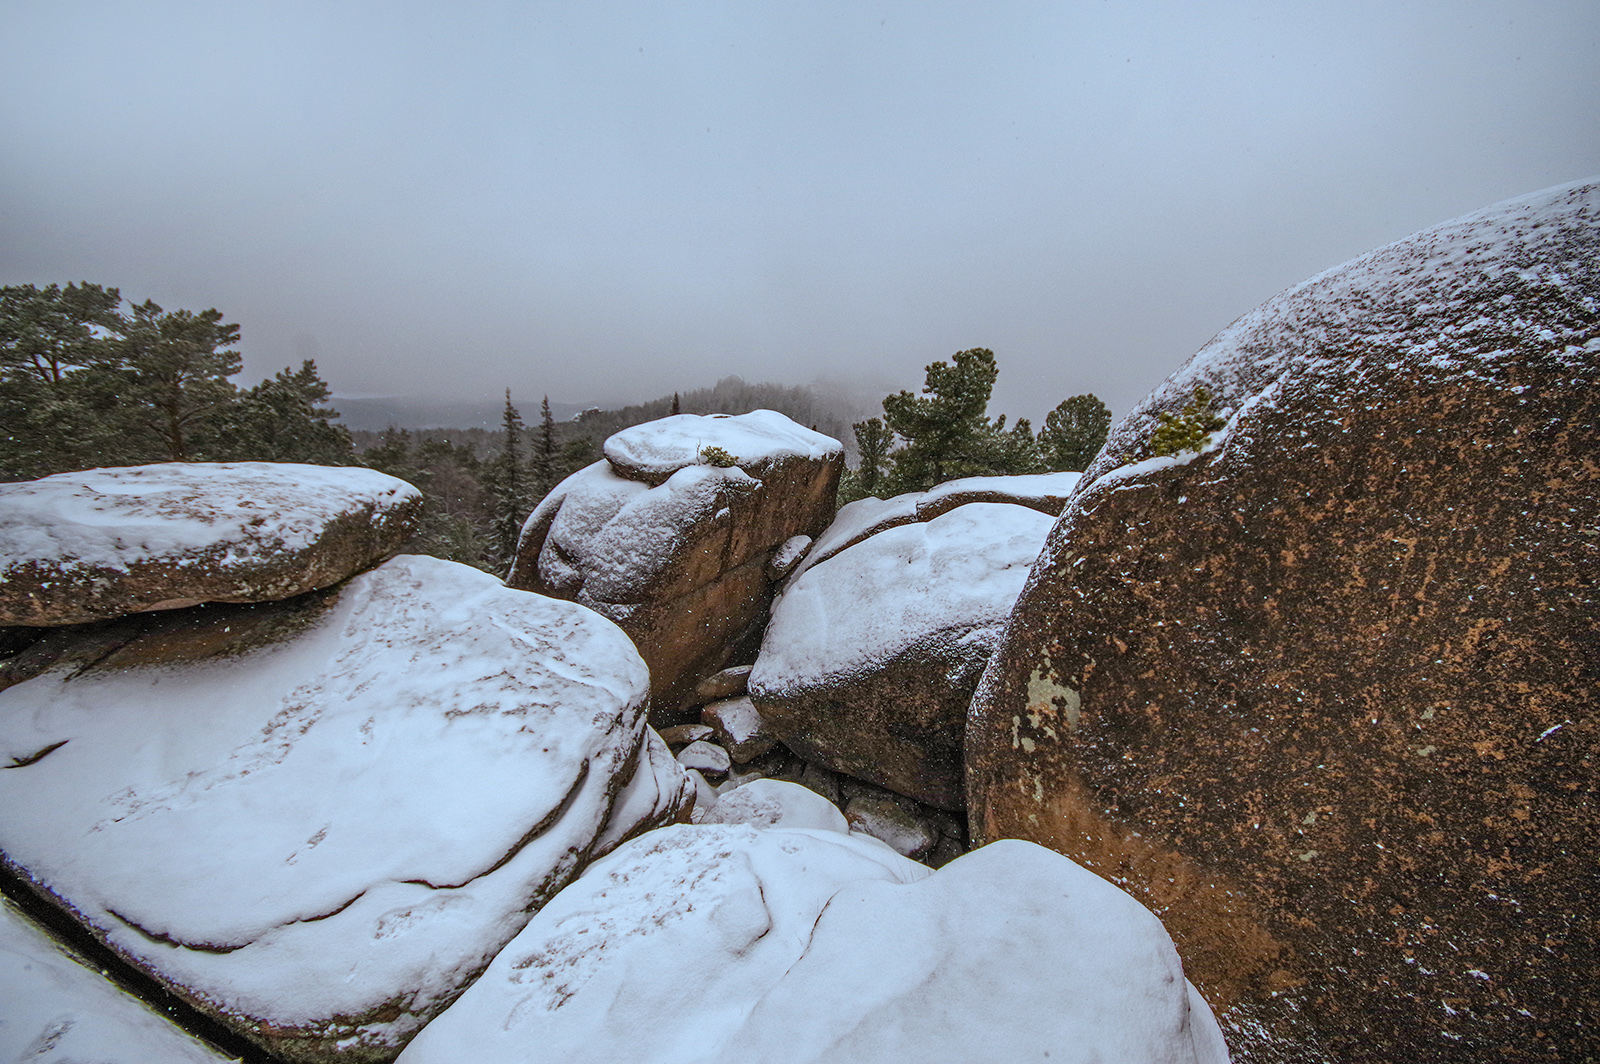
pixel 827 408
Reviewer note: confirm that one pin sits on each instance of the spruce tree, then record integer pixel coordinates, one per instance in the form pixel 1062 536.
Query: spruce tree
pixel 545 462
pixel 508 488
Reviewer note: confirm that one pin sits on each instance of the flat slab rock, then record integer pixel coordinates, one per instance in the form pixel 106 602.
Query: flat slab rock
pixel 654 451
pixel 1323 690
pixel 318 820
pixel 56 1010
pixel 103 543
pixel 871 656
pixel 732 942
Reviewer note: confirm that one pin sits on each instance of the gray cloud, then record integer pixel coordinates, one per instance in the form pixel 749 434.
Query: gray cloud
pixel 608 202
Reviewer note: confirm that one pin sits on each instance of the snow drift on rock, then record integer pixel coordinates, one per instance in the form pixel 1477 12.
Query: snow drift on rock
pixel 55 1010
pixel 346 822
pixel 717 943
pixel 655 450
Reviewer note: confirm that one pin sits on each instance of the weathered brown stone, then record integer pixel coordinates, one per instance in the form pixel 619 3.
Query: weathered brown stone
pixel 104 543
pixel 729 683
pixel 678 558
pixel 1322 695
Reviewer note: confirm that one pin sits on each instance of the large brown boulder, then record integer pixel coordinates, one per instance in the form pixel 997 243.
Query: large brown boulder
pixel 1322 693
pixel 671 534
pixel 872 655
pixel 103 543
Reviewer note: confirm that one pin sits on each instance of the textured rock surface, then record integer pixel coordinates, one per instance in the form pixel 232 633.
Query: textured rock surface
pixel 317 820
pixel 678 557
pixel 55 1010
pixel 717 943
pixel 1322 695
pixel 871 657
pixel 102 543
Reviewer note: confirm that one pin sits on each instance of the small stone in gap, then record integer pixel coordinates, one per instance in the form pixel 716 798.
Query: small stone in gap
pixel 894 821
pixel 739 728
pixel 705 757
pixel 684 734
pixel 787 556
pixel 725 684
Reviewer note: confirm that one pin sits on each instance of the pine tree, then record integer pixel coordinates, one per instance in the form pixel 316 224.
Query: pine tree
pixel 1074 432
pixel 58 396
pixel 175 367
pixel 1011 452
pixel 677 406
pixel 873 440
pixel 279 420
pixel 947 434
pixel 1187 430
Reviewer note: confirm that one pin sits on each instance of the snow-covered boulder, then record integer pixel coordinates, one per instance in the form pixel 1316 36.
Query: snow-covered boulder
pixel 56 1010
pixel 1323 689
pixel 672 545
pixel 318 820
pixel 103 543
pixel 779 946
pixel 755 442
pixel 872 655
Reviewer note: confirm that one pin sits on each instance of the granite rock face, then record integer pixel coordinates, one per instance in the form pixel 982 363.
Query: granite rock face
pixel 872 655
pixel 1321 692
pixel 89 546
pixel 671 534
pixel 318 820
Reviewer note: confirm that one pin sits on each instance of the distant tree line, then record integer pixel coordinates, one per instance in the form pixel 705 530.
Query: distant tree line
pixel 945 433
pixel 85 382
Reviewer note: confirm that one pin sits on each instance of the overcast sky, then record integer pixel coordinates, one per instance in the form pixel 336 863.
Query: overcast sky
pixel 606 202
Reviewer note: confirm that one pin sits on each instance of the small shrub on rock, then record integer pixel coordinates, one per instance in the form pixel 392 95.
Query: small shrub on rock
pixel 712 455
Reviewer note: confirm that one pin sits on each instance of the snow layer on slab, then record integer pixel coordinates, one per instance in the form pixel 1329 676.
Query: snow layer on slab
pixel 1041 490
pixel 765 803
pixel 955 577
pixel 867 517
pixel 1457 298
pixel 358 814
pixel 612 535
pixel 113 518
pixel 55 1010
pixel 657 449
pixel 717 943
pixel 854 522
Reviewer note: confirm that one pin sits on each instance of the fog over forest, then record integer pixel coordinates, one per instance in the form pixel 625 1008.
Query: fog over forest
pixel 607 205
